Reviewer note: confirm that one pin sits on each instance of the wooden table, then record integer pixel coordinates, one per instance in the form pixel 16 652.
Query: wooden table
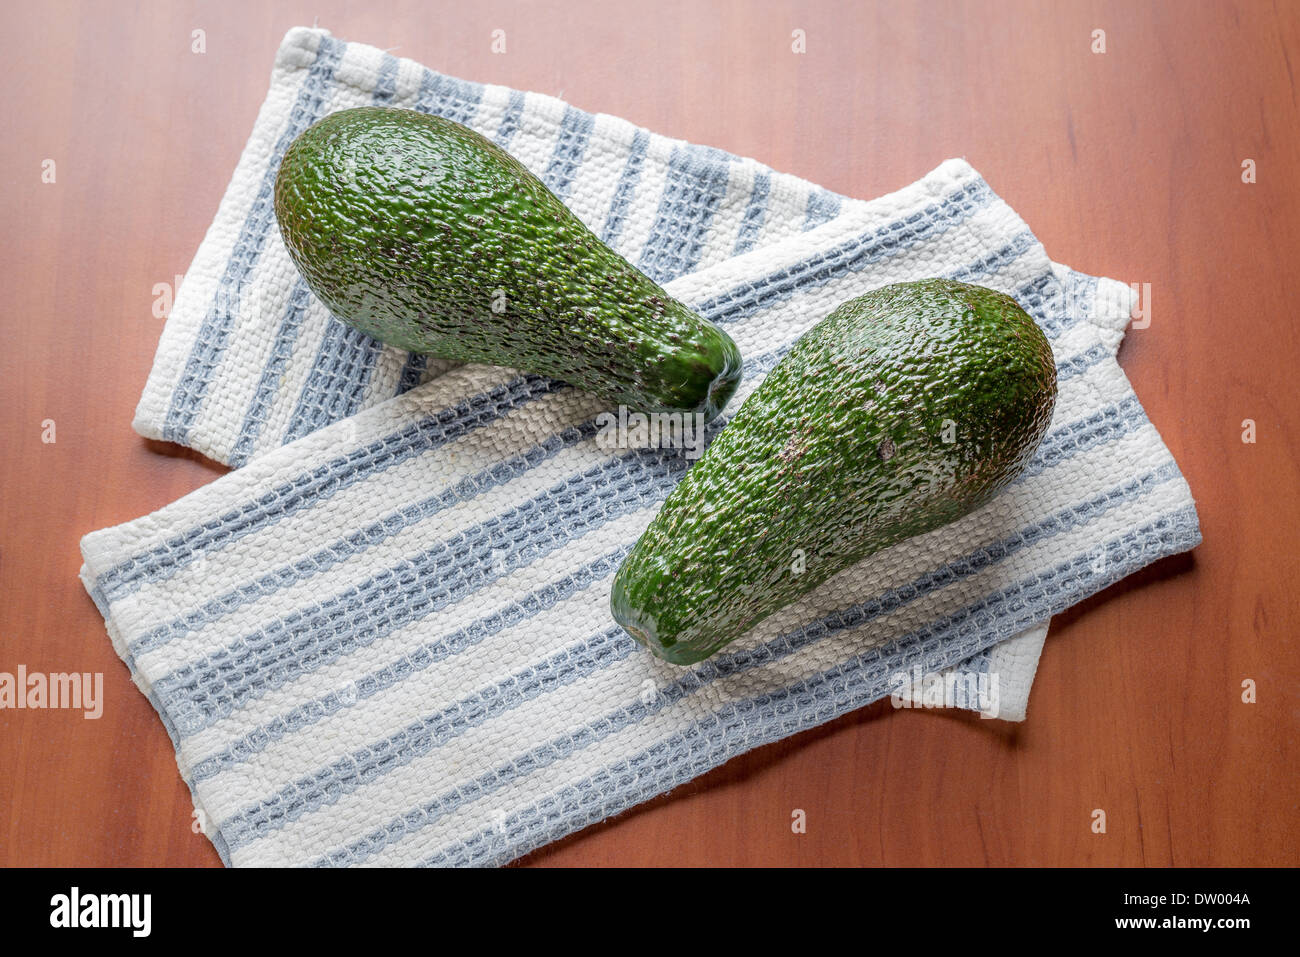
pixel 1127 163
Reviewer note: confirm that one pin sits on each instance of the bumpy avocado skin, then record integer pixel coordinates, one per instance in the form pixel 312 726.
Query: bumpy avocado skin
pixel 425 235
pixel 840 452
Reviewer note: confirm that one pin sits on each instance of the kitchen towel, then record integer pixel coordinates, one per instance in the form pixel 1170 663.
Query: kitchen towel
pixel 388 641
pixel 249 359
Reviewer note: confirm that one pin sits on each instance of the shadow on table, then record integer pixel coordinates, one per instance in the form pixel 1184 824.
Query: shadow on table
pixel 173 451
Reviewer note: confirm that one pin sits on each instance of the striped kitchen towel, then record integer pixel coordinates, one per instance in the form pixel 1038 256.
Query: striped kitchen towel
pixel 249 359
pixel 388 641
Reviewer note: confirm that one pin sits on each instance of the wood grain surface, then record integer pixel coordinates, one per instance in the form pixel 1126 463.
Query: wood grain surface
pixel 1126 163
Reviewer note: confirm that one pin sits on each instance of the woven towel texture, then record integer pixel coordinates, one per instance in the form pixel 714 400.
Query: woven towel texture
pixel 388 641
pixel 249 358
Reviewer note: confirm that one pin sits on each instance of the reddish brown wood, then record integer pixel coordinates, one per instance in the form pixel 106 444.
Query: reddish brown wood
pixel 1126 164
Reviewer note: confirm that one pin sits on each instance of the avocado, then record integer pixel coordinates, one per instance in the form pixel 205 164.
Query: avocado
pixel 901 411
pixel 427 236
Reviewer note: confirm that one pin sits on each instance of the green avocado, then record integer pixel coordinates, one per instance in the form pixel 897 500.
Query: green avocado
pixel 901 411
pixel 425 235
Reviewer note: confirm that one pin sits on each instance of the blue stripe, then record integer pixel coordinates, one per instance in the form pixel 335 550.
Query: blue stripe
pixel 1062 444
pixel 566 158
pixel 326 786
pixel 361 539
pixel 755 214
pixel 1077 364
pixel 210 688
pixel 1081 294
pixel 750 723
pixel 448 97
pixel 412 372
pixel 385 81
pixel 481 409
pixel 823 206
pixel 211 339
pixel 420 658
pixel 281 351
pixel 1087 298
pixel 976 664
pixel 566 666
pixel 964 694
pixel 308 488
pixel 510 120
pixel 336 384
pixel 1098 428
pixel 852 255
pixel 1046 300
pixel 696 185
pixel 994 261
pixel 626 189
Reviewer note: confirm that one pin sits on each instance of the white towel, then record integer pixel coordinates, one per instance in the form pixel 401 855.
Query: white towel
pixel 388 641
